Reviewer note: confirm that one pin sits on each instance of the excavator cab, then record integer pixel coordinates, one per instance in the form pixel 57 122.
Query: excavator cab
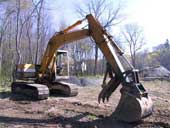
pixel 62 63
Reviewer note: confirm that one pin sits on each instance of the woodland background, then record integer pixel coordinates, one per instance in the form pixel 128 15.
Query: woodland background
pixel 25 29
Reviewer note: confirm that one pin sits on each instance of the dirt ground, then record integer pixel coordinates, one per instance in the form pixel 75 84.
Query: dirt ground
pixel 82 111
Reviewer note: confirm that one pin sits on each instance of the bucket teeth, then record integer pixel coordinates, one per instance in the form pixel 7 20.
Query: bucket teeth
pixel 108 90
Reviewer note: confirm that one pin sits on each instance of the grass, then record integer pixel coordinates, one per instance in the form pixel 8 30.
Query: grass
pixel 159 92
pixel 91 76
pixel 157 85
pixel 92 117
pixel 4 80
pixel 5 83
pixel 4 89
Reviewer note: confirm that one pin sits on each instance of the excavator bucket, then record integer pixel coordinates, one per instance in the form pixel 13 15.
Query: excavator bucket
pixel 134 103
pixel 133 107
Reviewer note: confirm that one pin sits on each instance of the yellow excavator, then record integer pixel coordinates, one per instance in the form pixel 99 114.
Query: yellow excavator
pixel 134 103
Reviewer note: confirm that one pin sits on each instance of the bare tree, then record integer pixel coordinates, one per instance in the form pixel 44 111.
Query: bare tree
pixel 134 37
pixel 28 27
pixel 20 23
pixel 39 10
pixel 4 24
pixel 18 9
pixel 104 11
pixel 44 36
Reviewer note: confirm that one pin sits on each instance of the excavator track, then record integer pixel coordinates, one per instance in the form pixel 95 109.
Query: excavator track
pixel 33 90
pixel 65 88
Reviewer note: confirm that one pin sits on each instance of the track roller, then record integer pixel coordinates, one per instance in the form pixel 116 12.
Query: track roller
pixel 35 91
pixel 65 88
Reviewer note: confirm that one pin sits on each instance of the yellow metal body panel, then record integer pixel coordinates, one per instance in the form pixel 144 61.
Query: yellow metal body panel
pixel 25 67
pixel 24 71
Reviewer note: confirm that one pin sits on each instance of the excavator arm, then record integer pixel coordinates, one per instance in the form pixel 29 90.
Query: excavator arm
pixel 96 31
pixel 134 99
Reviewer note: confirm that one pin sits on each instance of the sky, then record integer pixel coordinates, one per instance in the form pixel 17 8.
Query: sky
pixel 151 15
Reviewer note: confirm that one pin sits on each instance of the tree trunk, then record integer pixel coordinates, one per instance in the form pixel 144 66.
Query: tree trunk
pixel 17 32
pixel 29 46
pixel 96 59
pixel 39 11
pixel 38 37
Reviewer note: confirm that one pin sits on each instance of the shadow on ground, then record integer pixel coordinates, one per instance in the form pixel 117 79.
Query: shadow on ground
pixel 74 122
pixel 80 120
pixel 63 122
pixel 15 97
pixel 21 97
